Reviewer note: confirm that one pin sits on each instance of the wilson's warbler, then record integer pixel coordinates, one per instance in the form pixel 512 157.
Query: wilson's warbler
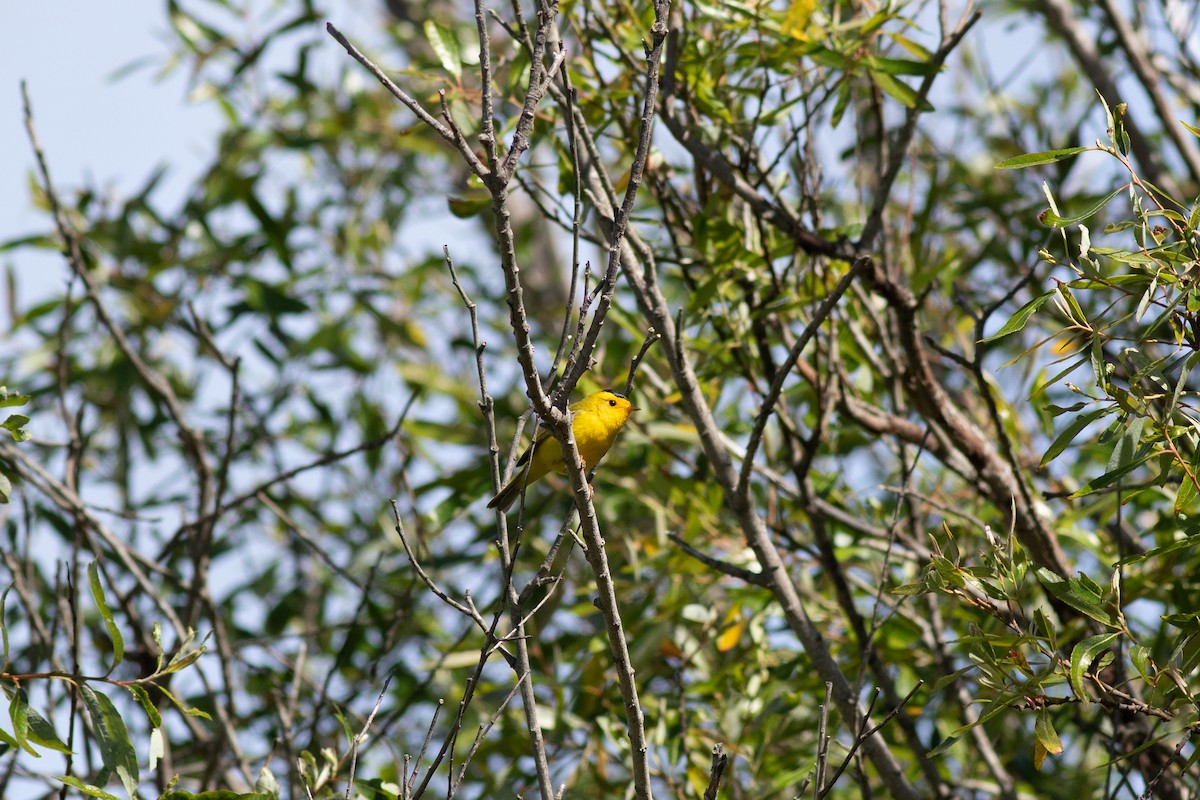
pixel 595 420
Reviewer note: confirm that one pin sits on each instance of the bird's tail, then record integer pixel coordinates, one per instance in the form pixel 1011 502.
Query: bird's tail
pixel 508 495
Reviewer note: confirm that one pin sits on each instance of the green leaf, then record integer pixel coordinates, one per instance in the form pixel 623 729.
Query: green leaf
pixel 156 634
pixel 472 203
pixel 10 400
pixel 15 424
pixel 897 66
pixel 1109 478
pixel 1018 320
pixel 996 707
pixel 899 90
pixel 917 50
pixel 1139 656
pixel 1035 159
pixel 1185 543
pixel 268 784
pixel 445 45
pixel 1125 257
pixel 1081 659
pixel 185 657
pixel 1187 486
pixel 18 713
pixel 1055 221
pixel 5 488
pixel 112 737
pixel 1188 621
pixel 114 632
pixel 4 628
pixel 186 709
pixel 42 732
pixel 87 788
pixel 1180 385
pixel 1070 432
pixel 1126 448
pixel 1076 594
pixel 142 696
pixel 218 794
pixel 1043 729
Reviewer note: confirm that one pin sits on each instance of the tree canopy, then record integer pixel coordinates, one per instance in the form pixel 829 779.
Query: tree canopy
pixel 906 296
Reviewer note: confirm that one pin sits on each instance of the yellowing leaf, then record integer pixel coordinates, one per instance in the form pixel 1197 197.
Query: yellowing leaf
pixel 733 634
pixel 1047 737
pixel 795 21
pixel 1065 345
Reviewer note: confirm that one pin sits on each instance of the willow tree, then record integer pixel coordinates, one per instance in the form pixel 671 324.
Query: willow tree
pixel 908 507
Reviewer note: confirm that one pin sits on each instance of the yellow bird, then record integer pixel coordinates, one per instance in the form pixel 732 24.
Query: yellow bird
pixel 596 420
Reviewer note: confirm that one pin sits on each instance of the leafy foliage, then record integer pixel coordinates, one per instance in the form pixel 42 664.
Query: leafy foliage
pixel 908 508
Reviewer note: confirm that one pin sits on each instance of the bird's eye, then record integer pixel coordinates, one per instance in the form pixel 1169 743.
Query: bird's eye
pixel 612 403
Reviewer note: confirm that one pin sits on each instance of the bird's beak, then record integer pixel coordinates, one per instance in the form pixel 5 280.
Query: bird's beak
pixel 633 408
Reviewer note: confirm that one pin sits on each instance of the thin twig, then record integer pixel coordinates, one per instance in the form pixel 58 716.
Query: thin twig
pixel 652 336
pixel 412 105
pixel 720 759
pixel 362 735
pixel 724 567
pixel 776 389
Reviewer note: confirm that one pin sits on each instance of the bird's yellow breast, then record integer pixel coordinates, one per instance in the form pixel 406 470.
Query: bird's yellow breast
pixel 595 435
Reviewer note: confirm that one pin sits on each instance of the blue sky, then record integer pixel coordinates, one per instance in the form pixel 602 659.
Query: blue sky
pixel 94 127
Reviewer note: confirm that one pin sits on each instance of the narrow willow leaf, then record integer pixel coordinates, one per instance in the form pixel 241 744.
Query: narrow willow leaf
pixel 142 696
pixel 156 632
pixel 1139 656
pixel 112 737
pixel 114 632
pixel 919 51
pixel 1127 446
pixel 1144 303
pixel 1075 594
pixel 1035 159
pixel 1070 432
pixel 442 42
pixel 11 400
pixel 1081 658
pixel 1099 368
pixel 87 788
pixel 1052 218
pixel 1186 543
pixel 1109 478
pixel 186 709
pixel 18 713
pixel 1180 385
pixel 42 733
pixel 897 66
pixel 899 90
pixel 1043 729
pixel 6 742
pixel 1187 486
pixel 1018 320
pixel 4 629
pixel 1124 256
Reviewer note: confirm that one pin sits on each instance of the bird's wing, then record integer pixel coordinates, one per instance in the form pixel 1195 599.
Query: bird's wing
pixel 542 436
